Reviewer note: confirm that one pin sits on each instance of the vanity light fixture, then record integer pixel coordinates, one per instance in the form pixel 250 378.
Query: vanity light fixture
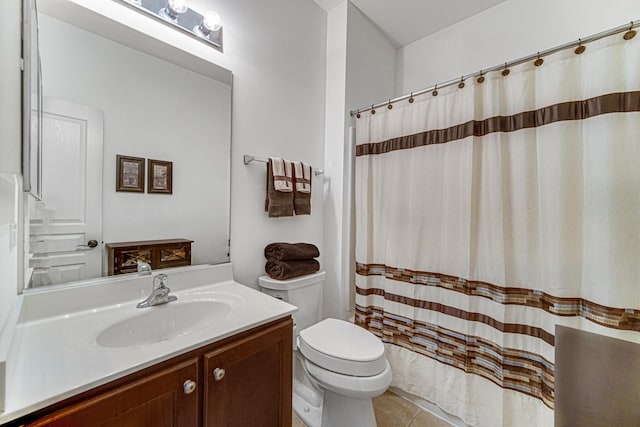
pixel 174 9
pixel 205 27
pixel 210 25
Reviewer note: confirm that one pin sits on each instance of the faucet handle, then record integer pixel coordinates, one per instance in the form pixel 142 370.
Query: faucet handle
pixel 160 281
pixel 144 268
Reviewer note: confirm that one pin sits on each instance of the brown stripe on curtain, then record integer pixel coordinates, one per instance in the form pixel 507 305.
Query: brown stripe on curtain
pixel 624 102
pixel 508 368
pixel 511 328
pixel 616 318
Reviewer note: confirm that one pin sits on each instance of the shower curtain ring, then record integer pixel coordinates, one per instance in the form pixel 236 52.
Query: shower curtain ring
pixel 411 98
pixel 389 106
pixel 539 61
pixel 358 114
pixel 629 34
pixel 480 78
pixel 506 70
pixel 373 111
pixel 435 91
pixel 461 84
pixel 580 49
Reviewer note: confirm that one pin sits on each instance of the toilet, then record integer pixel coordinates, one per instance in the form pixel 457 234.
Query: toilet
pixel 338 366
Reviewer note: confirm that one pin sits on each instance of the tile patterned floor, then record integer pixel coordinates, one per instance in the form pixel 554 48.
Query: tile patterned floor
pixel 296 421
pixel 394 411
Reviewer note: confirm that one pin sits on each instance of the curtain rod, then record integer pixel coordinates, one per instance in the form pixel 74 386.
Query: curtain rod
pixel 627 28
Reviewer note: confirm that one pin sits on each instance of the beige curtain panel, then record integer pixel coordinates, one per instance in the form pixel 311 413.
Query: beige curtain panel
pixel 487 215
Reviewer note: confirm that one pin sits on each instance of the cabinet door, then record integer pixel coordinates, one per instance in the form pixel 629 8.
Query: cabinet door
pixel 248 382
pixel 173 255
pixel 126 259
pixel 161 400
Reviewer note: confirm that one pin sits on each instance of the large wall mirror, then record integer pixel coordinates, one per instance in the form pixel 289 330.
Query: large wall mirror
pixel 109 91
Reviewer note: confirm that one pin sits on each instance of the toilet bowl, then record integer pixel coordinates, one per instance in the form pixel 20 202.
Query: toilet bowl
pixel 339 367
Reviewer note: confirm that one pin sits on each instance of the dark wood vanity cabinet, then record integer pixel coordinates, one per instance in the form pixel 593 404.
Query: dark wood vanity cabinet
pixel 244 380
pixel 123 257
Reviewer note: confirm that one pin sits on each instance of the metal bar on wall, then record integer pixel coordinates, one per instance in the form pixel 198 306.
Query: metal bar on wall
pixel 248 158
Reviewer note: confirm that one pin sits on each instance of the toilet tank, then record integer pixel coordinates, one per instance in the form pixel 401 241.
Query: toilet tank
pixel 305 292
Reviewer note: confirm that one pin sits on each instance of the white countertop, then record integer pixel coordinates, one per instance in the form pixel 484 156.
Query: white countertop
pixel 57 355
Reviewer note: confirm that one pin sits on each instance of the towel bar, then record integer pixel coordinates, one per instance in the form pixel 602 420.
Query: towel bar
pixel 248 158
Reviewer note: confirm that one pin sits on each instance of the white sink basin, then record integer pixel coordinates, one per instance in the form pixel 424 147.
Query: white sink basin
pixel 164 322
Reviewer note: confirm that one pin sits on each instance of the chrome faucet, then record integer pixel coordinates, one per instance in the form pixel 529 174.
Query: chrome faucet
pixel 159 293
pixel 144 268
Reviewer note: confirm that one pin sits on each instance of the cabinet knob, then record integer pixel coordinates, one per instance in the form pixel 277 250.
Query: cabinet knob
pixel 189 386
pixel 218 374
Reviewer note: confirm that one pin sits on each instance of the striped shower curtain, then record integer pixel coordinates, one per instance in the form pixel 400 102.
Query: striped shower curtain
pixel 488 214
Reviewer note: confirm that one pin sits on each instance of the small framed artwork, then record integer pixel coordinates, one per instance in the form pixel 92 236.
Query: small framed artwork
pixel 129 174
pixel 160 177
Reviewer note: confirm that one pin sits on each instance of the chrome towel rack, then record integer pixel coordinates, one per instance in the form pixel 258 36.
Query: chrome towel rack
pixel 248 158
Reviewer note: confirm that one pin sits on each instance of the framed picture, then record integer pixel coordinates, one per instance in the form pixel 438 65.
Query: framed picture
pixel 129 174
pixel 160 177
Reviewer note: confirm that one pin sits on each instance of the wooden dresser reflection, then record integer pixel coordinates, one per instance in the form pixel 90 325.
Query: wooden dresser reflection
pixel 123 257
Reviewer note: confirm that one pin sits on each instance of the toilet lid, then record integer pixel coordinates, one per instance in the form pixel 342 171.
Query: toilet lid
pixel 343 347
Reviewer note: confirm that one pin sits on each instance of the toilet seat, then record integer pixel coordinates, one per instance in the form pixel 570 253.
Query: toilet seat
pixel 343 348
pixel 347 385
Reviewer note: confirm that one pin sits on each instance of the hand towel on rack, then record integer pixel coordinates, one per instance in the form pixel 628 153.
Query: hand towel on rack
pixel 282 174
pixel 283 270
pixel 302 172
pixel 277 203
pixel 302 193
pixel 280 251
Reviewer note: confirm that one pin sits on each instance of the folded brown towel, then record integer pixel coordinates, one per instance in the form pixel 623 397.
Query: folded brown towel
pixel 290 251
pixel 302 189
pixel 277 203
pixel 283 270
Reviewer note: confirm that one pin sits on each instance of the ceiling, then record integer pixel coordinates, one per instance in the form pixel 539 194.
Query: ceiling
pixel 405 21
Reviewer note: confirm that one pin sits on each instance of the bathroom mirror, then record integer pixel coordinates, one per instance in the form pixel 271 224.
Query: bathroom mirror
pixel 108 91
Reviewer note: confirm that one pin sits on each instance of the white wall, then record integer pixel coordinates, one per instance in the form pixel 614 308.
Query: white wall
pixel 335 295
pixel 276 50
pixel 371 74
pixel 371 62
pixel 10 149
pixel 155 110
pixel 8 245
pixel 361 65
pixel 508 31
pixel 10 88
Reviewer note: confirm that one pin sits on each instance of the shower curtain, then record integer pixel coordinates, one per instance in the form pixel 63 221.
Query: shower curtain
pixel 488 214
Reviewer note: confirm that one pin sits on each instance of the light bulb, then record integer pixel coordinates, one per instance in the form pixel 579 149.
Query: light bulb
pixel 212 20
pixel 211 23
pixel 178 6
pixel 174 9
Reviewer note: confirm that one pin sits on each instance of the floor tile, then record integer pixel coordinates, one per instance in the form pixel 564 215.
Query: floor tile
pixel 297 422
pixel 425 419
pixel 393 411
